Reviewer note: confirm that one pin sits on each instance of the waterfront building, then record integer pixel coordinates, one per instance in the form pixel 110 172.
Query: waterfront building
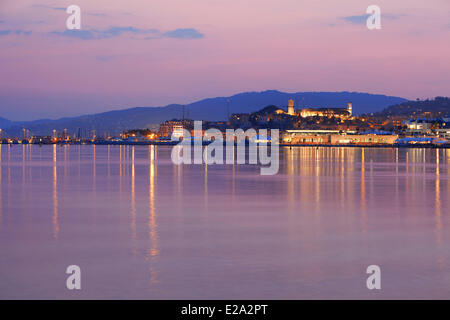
pixel 175 127
pixel 307 136
pixel 336 137
pixel 41 140
pixel 422 141
pixel 418 125
pixel 426 126
pixel 443 133
pixel 363 139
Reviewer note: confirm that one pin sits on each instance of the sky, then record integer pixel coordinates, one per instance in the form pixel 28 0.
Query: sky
pixel 152 53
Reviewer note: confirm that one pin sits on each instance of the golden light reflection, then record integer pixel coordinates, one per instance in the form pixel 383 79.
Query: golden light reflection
pixel 109 161
pixel 438 213
pixel 407 175
pixel 152 226
pixel 65 159
pixel 407 161
pixel 79 161
pixel 396 161
pixel 23 163
pixel 447 152
pixel 9 168
pixel 350 186
pixel 120 161
pixel 29 159
pixel 133 205
pixel 304 168
pixel 120 171
pixel 342 178
pixel 55 219
pixel 94 180
pixel 317 179
pixel 94 172
pixel 396 177
pixel 363 191
pixel 290 178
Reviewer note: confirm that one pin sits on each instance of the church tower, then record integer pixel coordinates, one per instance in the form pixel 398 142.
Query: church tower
pixel 291 110
pixel 350 108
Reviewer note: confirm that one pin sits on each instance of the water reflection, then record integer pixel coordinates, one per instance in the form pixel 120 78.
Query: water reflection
pixel 66 165
pixel 109 161
pixel 153 251
pixel 55 219
pixel 325 213
pixel 1 187
pixel 363 192
pixel 152 226
pixel 438 212
pixel 23 164
pixel 133 206
pixel 205 186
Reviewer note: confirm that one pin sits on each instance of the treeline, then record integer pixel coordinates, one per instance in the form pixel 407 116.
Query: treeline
pixel 437 107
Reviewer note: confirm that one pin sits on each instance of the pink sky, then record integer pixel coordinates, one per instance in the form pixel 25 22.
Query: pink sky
pixel 232 46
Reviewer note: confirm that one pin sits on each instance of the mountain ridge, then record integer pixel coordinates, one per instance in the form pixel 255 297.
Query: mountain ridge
pixel 210 109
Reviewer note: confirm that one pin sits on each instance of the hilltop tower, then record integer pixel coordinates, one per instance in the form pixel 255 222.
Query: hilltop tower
pixel 350 108
pixel 291 110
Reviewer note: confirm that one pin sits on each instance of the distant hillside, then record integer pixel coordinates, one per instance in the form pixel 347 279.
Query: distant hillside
pixel 5 123
pixel 212 109
pixel 438 107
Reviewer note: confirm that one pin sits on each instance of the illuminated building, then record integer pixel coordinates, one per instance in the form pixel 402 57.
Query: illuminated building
pixel 174 127
pixel 291 110
pixel 336 137
pixel 328 112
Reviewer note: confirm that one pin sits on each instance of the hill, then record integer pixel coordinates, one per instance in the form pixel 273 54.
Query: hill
pixel 438 107
pixel 5 123
pixel 212 109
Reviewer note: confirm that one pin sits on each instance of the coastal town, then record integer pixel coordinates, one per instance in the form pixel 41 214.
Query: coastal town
pixel 297 126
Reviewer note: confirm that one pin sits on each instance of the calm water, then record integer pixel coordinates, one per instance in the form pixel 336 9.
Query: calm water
pixel 141 227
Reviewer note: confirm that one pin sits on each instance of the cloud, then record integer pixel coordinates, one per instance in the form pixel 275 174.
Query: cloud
pixel 17 32
pixel 92 34
pixel 44 6
pixel 357 19
pixel 362 19
pixel 94 14
pixel 104 58
pixel 117 31
pixel 97 14
pixel 80 34
pixel 188 33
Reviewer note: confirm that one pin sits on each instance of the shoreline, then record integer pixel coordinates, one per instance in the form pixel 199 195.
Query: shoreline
pixel 316 145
